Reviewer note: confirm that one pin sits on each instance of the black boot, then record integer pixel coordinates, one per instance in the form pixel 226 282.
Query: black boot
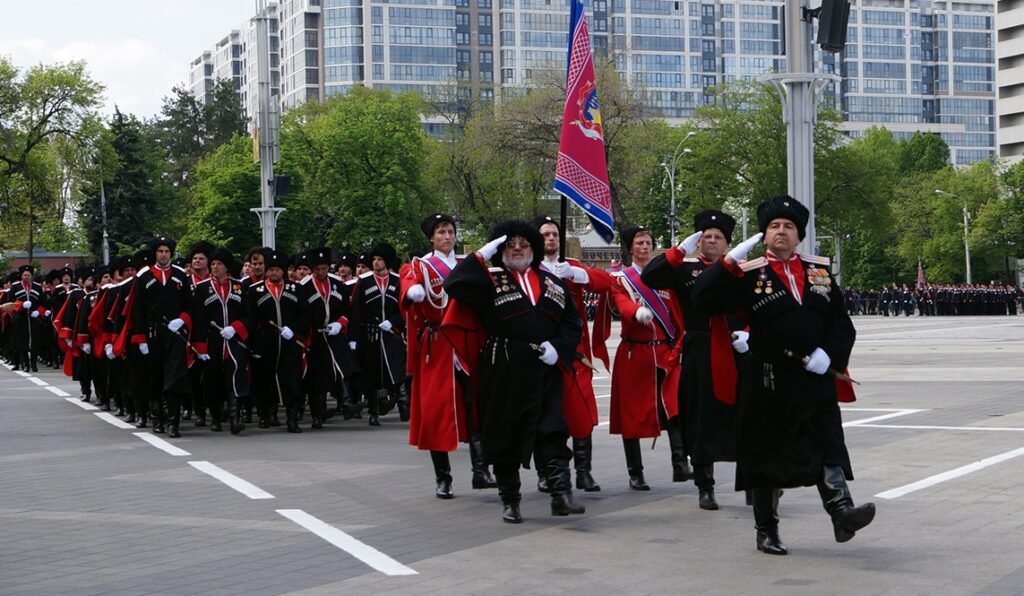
pixel 374 398
pixel 562 502
pixel 317 406
pixel 766 521
pixel 482 477
pixel 237 423
pixel 581 452
pixel 247 417
pixel 635 464
pixel 403 403
pixel 157 414
pixel 442 474
pixel 681 470
pixel 173 418
pixel 835 497
pixel 508 490
pixel 292 419
pixel 542 474
pixel 704 478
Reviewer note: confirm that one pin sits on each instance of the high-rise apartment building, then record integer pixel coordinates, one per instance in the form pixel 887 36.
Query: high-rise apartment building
pixel 1010 77
pixel 909 65
pixel 234 58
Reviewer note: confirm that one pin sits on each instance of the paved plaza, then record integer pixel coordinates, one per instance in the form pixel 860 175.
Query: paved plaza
pixel 89 505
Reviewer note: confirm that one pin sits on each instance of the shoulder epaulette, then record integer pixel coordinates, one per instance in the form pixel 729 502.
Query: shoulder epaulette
pixel 305 280
pixel 351 281
pixel 691 259
pixel 141 271
pixel 333 276
pixel 817 260
pixel 618 274
pixel 751 265
pixel 205 281
pixel 494 269
pixel 179 269
pixel 367 274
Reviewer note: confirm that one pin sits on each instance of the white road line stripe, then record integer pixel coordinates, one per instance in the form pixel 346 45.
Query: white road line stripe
pixel 22 373
pixel 602 396
pixel 57 391
pixel 961 471
pixel 39 382
pixel 110 419
pixel 920 427
pixel 360 550
pixel 161 444
pixel 605 423
pixel 80 403
pixel 849 409
pixel 877 418
pixel 243 486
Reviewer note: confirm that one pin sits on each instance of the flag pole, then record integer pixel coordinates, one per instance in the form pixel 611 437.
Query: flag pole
pixel 563 216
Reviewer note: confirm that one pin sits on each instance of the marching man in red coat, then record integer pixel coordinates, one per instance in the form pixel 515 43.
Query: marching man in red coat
pixel 441 412
pixel 580 411
pixel 645 375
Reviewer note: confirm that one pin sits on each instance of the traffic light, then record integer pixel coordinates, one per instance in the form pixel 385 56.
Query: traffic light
pixel 832 25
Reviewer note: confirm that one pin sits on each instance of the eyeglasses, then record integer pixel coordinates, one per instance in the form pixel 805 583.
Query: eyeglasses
pixel 517 244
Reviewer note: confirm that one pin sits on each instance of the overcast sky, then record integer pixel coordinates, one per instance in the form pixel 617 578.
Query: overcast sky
pixel 138 49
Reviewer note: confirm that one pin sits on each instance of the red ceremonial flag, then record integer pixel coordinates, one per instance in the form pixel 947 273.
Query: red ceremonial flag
pixel 920 275
pixel 581 173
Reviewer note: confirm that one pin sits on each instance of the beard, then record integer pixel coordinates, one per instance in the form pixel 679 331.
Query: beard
pixel 518 263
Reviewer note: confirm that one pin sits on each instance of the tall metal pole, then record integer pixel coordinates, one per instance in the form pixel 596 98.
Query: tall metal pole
pixel 266 130
pixel 103 219
pixel 967 247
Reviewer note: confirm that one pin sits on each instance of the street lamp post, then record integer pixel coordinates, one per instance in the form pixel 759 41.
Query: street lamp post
pixel 967 247
pixel 670 170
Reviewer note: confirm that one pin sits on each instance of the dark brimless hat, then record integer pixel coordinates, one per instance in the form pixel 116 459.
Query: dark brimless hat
pixel 431 222
pixel 319 256
pixel 783 207
pixel 629 234
pixel 542 220
pixel 159 241
pixel 272 258
pixel 388 253
pixel 715 219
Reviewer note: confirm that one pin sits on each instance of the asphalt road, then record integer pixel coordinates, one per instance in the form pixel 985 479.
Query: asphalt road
pixel 936 438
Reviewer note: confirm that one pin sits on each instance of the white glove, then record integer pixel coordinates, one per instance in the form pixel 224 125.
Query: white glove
pixel 335 327
pixel 491 248
pixel 818 362
pixel 228 332
pixel 35 314
pixel 204 357
pixel 26 304
pixel 86 349
pixel 144 349
pixel 689 244
pixel 740 252
pixel 550 356
pixel 109 351
pixel 68 342
pixel 286 333
pixel 47 313
pixel 580 275
pixel 385 325
pixel 352 346
pixel 175 324
pixel 740 343
pixel 644 315
pixel 416 293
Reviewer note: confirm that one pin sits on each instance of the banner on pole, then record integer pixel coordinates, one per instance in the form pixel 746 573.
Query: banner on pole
pixel 581 173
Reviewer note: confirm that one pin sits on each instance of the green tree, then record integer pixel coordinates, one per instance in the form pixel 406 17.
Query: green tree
pixel 922 153
pixel 223 116
pixel 359 163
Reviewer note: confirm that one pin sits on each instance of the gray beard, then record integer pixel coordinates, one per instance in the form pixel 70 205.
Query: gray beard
pixel 518 263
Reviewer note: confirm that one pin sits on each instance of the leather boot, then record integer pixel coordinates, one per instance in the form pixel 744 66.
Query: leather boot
pixel 635 464
pixel 836 498
pixel 317 405
pixel 403 402
pixel 292 419
pixel 704 478
pixel 374 409
pixel 542 474
pixel 442 474
pixel 581 452
pixel 562 502
pixel 766 521
pixel 158 417
pixel 681 470
pixel 247 417
pixel 173 417
pixel 386 400
pixel 237 421
pixel 508 489
pixel 482 477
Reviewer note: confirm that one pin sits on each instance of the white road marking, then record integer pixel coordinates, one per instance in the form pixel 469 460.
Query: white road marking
pixel 922 427
pixel 852 409
pixel 114 420
pixel 360 550
pixel 605 423
pixel 243 486
pixel 57 391
pixel 161 444
pixel 602 396
pixel 39 382
pixel 950 475
pixel 877 418
pixel 81 404
pixel 22 373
